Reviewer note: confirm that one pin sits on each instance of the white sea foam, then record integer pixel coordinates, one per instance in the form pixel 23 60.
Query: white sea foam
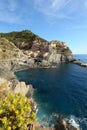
pixel 73 121
pixel 76 122
pixel 50 121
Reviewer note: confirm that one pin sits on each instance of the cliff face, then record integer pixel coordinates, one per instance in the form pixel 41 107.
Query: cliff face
pixel 19 50
pixel 27 49
pixel 11 58
pixel 33 54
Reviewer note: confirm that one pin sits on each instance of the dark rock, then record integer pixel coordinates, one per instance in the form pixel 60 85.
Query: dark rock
pixel 80 63
pixel 63 125
pixel 84 64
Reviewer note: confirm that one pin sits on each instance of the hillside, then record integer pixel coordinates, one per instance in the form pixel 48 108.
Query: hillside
pixel 23 50
pixel 19 38
pixel 27 48
pixel 7 49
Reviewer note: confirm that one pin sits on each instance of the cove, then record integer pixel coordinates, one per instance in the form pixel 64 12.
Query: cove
pixel 59 91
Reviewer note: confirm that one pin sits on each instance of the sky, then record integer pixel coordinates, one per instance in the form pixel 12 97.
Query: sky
pixel 62 20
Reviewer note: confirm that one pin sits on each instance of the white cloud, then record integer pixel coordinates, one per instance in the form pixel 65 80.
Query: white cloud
pixel 52 8
pixel 14 11
pixel 58 4
pixel 60 8
pixel 12 5
pixel 20 11
pixel 7 11
pixel 8 5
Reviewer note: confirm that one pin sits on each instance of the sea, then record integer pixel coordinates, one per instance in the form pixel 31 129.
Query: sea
pixel 59 93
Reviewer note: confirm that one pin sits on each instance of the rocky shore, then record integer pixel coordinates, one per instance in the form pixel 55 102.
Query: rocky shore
pixel 9 82
pixel 35 54
pixel 80 63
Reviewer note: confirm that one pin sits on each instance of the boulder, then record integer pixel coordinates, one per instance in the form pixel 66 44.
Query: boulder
pixel 84 64
pixel 26 90
pixel 5 87
pixel 45 63
pixel 80 63
pixel 63 125
pixel 4 84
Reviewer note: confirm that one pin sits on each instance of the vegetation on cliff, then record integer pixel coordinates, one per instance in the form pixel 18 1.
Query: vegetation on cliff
pixel 7 49
pixel 19 38
pixel 16 112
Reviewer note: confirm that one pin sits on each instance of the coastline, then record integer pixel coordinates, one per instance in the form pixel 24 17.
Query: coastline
pixel 33 55
pixel 28 89
pixel 62 123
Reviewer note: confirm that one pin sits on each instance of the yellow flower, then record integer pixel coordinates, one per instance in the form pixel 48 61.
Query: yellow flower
pixel 4 120
pixel 14 101
pixel 28 108
pixel 12 106
pixel 11 117
pixel 1 111
pixel 13 127
pixel 25 127
pixel 9 128
pixel 17 112
pixel 22 112
pixel 19 125
pixel 21 118
pixel 20 102
pixel 25 107
pixel 24 99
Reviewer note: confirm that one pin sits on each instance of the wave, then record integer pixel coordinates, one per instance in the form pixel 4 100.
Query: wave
pixel 80 123
pixel 73 121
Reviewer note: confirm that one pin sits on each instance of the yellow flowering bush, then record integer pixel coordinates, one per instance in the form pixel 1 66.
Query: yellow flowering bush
pixel 16 112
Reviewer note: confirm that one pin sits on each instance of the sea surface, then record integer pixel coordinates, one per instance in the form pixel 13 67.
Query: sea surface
pixel 60 92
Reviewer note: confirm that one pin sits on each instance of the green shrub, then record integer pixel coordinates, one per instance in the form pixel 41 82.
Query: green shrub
pixel 16 111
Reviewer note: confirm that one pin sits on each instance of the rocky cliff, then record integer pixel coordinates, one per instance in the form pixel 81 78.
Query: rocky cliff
pixel 20 50
pixel 29 50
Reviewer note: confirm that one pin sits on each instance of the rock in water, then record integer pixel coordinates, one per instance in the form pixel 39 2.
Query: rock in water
pixel 63 125
pixel 26 90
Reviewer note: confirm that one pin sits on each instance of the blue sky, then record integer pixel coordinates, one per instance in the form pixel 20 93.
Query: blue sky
pixel 64 20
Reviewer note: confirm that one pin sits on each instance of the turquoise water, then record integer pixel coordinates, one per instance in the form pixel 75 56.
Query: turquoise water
pixel 60 91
